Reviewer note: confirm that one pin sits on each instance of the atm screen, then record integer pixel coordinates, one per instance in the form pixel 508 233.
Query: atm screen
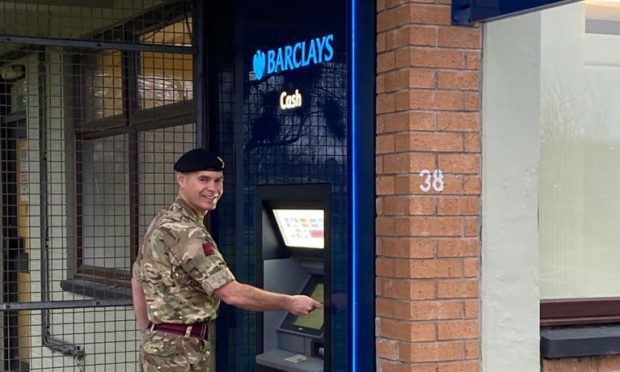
pixel 314 320
pixel 302 228
pixel 311 323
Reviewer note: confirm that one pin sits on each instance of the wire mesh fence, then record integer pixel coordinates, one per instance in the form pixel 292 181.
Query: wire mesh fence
pixel 96 102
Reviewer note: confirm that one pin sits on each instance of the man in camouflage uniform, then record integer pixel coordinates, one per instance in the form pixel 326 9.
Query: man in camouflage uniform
pixel 179 276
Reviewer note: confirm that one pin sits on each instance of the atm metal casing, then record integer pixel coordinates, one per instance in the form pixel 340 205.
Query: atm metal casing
pixel 292 270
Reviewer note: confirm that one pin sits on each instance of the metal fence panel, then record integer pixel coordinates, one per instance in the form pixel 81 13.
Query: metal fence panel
pixel 96 102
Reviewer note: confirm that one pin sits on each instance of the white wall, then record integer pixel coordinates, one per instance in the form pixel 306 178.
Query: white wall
pixel 510 151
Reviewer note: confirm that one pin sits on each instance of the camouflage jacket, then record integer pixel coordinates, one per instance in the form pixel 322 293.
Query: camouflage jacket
pixel 179 267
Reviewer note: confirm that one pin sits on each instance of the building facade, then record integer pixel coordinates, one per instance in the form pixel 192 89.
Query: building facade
pixel 466 149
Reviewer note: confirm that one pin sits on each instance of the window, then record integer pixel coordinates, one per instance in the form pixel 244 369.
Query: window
pixel 166 78
pixel 579 202
pixel 105 202
pixel 136 118
pixel 103 82
pixel 551 138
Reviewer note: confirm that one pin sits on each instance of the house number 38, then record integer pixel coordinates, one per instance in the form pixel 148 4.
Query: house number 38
pixel 432 180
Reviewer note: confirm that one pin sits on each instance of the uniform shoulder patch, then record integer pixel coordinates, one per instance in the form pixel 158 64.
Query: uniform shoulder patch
pixel 208 248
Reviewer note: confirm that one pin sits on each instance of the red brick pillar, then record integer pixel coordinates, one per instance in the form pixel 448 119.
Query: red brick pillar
pixel 428 242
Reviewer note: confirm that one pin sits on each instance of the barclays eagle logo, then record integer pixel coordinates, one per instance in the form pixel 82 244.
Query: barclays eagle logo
pixel 259 64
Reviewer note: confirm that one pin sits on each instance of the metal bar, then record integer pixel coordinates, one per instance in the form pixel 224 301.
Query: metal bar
pixel 4 109
pixel 72 43
pixel 47 339
pixel 14 117
pixel 239 157
pixel 200 73
pixel 468 12
pixel 361 141
pixel 47 305
pixel 42 94
pixel 72 113
pixel 64 348
pixel 134 195
pixel 130 67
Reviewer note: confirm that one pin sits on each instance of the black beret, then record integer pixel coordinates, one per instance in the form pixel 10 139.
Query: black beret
pixel 199 160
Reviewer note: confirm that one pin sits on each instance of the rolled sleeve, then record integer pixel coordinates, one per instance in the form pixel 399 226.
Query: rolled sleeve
pixel 136 271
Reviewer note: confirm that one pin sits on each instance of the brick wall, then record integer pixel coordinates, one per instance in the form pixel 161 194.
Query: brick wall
pixel 594 364
pixel 428 243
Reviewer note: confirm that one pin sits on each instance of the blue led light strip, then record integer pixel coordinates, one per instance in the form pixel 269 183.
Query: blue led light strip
pixel 354 190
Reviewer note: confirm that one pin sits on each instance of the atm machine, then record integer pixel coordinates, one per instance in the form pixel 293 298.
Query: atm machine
pixel 293 251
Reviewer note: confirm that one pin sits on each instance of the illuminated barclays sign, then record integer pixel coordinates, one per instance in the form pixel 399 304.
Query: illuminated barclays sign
pixel 292 57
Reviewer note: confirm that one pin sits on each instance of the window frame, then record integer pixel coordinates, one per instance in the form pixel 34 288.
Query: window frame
pixel 580 311
pixel 130 122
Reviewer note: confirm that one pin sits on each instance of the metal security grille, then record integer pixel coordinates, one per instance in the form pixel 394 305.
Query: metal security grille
pixel 96 103
pixel 302 144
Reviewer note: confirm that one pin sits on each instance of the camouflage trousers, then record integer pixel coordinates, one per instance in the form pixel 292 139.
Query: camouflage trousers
pixel 166 352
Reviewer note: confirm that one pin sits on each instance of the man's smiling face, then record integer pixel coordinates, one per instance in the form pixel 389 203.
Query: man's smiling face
pixel 201 189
